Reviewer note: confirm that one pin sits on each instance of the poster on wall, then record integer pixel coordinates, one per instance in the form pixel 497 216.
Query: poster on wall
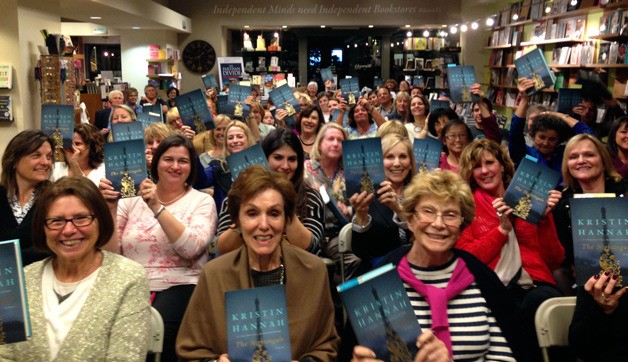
pixel 6 76
pixel 229 70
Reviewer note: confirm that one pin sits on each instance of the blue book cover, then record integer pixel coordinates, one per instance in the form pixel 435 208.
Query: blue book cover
pixel 534 66
pixel 381 314
pixel 345 118
pixel 57 121
pixel 283 98
pixel 529 189
pixel 127 131
pixel 364 165
pixel 327 74
pixel 125 166
pixel 461 78
pixel 155 108
pixel 257 324
pixel 235 101
pixel 350 88
pixel 15 323
pixel 378 82
pixel 148 118
pixel 210 82
pixel 436 104
pixel 418 81
pixel 598 226
pixel 253 155
pixel 221 103
pixel 194 111
pixel 427 153
pixel 568 98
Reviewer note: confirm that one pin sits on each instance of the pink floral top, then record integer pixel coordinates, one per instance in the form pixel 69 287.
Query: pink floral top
pixel 167 264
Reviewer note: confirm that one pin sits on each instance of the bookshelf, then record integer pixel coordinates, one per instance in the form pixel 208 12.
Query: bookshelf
pixel 164 72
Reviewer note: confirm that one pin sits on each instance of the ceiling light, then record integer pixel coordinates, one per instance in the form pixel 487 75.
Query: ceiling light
pixel 370 26
pixel 136 28
pixel 284 26
pixel 464 28
pixel 355 45
pixel 547 10
pixel 515 16
pixel 453 30
pixel 407 26
pixel 490 21
pixel 95 17
pixel 348 46
pixel 409 34
pixel 246 27
pixel 474 25
pixel 276 35
pixel 391 45
pixel 323 26
pixel 426 33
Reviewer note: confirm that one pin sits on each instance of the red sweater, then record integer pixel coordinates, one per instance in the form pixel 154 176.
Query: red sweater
pixel 541 251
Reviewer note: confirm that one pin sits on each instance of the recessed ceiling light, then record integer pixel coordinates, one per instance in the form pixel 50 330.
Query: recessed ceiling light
pixel 95 17
pixel 284 26
pixel 407 26
pixel 323 26
pixel 370 26
pixel 246 27
pixel 136 28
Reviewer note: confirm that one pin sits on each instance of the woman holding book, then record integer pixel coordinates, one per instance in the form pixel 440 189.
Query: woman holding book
pixel 85 304
pixel 419 109
pixel 325 170
pixel 237 137
pixel 167 230
pixel 308 126
pixel 285 156
pixel 26 166
pixel 618 145
pixel 375 232
pixel 461 306
pixel 174 121
pixel 522 254
pixel 262 204
pixel 87 154
pixel 587 169
pixel 455 136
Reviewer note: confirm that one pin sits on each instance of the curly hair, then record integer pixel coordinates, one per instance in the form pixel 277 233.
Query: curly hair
pixel 472 156
pixel 94 140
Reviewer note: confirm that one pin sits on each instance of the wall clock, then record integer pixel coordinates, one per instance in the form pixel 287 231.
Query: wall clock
pixel 199 56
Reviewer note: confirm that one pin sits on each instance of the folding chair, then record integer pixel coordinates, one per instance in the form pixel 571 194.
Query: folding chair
pixel 344 245
pixel 156 343
pixel 552 320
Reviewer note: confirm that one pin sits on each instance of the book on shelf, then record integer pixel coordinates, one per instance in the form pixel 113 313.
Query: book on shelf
pixel 427 152
pixel 257 324
pixel 283 98
pixel 380 313
pixel 461 78
pixel 621 53
pixel 599 236
pixel 350 88
pixel 511 77
pixel 210 82
pixel 15 324
pixel 576 53
pixel 57 121
pixel 532 65
pixel 420 43
pixel 538 31
pixel 6 108
pixel 253 155
pixel 560 81
pixel 603 53
pixel 194 111
pixel 511 99
pixel 568 98
pixel 528 191
pixel 613 53
pixel 235 101
pixel 127 131
pixel 364 165
pixel 125 166
pixel 525 10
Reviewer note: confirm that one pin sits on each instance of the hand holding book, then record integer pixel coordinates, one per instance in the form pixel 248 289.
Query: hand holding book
pixel 523 84
pixel 601 286
pixel 503 213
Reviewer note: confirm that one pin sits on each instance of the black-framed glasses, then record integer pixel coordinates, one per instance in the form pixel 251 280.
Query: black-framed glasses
pixel 78 221
pixel 453 137
pixel 450 218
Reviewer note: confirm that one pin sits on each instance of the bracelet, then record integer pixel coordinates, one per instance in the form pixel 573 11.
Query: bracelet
pixel 159 212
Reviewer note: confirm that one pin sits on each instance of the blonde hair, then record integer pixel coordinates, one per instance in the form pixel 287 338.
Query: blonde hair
pixel 225 152
pixel 303 95
pixel 393 127
pixel 391 140
pixel 446 186
pixel 316 154
pixel 609 169
pixel 171 115
pixel 217 120
pixel 157 130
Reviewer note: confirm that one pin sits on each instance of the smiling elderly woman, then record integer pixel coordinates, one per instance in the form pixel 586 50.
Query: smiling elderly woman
pixel 460 304
pixel 262 203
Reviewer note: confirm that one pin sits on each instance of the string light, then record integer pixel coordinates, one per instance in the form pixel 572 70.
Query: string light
pixel 453 30
pixel 490 21
pixel 463 28
pixel 474 25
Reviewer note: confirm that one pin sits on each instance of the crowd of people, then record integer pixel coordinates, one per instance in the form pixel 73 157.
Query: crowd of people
pixel 475 273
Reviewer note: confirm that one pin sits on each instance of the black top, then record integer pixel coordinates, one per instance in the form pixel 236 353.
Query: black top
pixel 9 230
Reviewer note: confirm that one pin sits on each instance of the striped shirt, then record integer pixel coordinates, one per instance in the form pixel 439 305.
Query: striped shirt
pixel 475 335
pixel 314 221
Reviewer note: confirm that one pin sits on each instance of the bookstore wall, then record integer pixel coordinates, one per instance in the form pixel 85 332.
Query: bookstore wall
pixel 575 36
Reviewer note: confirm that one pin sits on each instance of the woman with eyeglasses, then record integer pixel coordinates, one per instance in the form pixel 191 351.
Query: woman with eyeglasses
pixel 85 304
pixel 455 136
pixel 464 311
pixel 522 254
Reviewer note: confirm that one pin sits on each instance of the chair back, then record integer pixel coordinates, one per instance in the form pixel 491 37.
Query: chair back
pixel 156 344
pixel 344 238
pixel 552 320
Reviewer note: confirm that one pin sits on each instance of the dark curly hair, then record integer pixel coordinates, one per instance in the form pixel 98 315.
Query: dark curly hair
pixel 94 140
pixel 351 122
pixel 547 122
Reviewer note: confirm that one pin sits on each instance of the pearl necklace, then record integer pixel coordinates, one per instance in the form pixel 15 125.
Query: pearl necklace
pixel 166 203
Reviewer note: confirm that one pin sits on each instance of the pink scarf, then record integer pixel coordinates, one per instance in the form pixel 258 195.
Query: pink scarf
pixel 437 298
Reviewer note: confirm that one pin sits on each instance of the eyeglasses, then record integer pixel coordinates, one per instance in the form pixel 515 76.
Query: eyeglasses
pixel 451 137
pixel 78 221
pixel 449 218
